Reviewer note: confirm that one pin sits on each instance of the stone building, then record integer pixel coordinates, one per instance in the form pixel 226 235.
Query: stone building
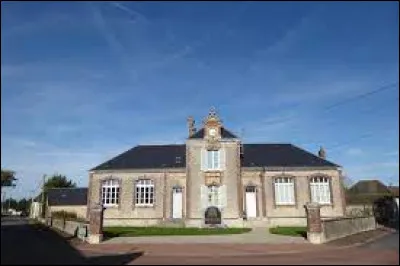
pixel 215 179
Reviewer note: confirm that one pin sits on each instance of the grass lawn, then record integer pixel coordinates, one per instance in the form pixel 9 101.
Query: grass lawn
pixel 168 231
pixel 289 230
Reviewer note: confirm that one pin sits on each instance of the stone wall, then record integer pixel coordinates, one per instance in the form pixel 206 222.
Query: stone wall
pixel 345 226
pixel 324 230
pixel 70 227
pixel 357 210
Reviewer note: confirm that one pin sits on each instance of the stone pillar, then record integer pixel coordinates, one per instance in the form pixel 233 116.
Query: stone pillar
pixel 315 234
pixel 95 235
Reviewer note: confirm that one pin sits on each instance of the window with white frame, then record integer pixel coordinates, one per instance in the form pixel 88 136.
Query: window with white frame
pixel 144 192
pixel 213 160
pixel 213 195
pixel 320 190
pixel 110 192
pixel 284 191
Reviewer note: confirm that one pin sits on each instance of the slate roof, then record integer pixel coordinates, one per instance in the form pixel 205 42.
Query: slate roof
pixel 368 187
pixel 254 155
pixel 280 155
pixel 67 196
pixel 225 134
pixel 148 156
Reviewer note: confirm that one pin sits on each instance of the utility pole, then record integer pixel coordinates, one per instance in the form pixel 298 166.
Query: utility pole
pixel 3 206
pixel 42 209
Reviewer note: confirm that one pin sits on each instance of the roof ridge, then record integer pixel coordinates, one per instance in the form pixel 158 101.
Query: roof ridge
pixel 269 143
pixel 158 145
pixel 53 188
pixel 316 156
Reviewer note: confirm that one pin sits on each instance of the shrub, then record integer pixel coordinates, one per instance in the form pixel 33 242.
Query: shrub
pixel 67 216
pixel 289 230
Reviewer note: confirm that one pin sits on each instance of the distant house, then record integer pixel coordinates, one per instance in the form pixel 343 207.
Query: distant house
pixel 36 207
pixel 363 194
pixel 67 199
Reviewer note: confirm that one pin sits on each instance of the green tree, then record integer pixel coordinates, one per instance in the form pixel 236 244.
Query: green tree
pixel 347 182
pixel 23 205
pixel 58 181
pixel 10 203
pixel 7 178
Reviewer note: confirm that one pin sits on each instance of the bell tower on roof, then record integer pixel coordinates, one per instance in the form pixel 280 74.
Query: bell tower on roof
pixel 212 125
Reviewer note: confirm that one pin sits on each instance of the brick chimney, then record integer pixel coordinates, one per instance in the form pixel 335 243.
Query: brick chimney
pixel 322 153
pixel 191 128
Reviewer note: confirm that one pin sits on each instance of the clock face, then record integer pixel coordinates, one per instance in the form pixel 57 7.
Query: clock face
pixel 212 132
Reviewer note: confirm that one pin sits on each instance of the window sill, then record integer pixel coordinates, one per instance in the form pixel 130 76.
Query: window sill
pixel 325 204
pixel 144 206
pixel 286 205
pixel 212 170
pixel 110 206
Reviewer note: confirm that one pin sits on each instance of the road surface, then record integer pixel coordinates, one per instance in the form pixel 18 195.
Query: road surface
pixel 389 242
pixel 22 243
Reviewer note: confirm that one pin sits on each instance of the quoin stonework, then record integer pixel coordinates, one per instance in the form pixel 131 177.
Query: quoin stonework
pixel 214 179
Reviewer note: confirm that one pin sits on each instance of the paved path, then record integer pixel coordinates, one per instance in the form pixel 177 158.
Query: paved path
pixel 257 235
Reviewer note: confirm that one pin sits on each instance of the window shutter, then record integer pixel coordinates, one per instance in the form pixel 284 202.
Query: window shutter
pixel 203 197
pixel 203 159
pixel 312 192
pixel 222 196
pixel 291 187
pixel 222 160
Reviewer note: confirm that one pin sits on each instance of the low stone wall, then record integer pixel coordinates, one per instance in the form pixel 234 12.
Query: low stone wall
pixel 359 210
pixel 72 228
pixel 324 230
pixel 58 224
pixel 341 227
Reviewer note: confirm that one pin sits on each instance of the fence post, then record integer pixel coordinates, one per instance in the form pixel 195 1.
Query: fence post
pixel 315 234
pixel 95 235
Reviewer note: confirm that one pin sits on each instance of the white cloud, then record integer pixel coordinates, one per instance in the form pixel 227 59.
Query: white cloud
pixel 137 15
pixel 355 152
pixel 392 153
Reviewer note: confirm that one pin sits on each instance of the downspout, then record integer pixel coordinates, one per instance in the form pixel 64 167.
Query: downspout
pixel 240 185
pixel 263 197
pixel 342 190
pixel 165 196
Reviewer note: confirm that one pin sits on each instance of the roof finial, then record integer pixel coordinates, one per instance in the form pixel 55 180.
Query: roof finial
pixel 212 112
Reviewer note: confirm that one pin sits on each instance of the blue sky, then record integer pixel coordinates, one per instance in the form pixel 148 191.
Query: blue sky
pixel 84 81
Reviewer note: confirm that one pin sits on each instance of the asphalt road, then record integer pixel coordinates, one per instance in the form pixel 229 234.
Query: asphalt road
pixel 24 244
pixel 389 242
